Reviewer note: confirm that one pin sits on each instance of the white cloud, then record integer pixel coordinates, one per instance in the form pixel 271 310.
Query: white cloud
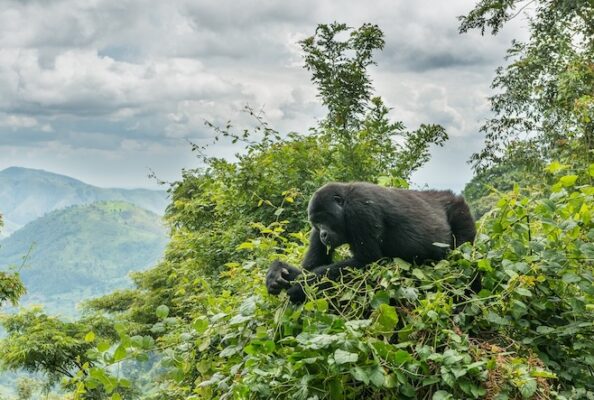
pixel 112 80
pixel 80 82
pixel 23 122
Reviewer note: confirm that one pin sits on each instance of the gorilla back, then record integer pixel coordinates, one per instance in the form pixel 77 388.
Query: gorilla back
pixel 376 222
pixel 380 222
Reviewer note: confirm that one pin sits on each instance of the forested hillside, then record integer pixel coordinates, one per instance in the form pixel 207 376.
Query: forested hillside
pixel 207 327
pixel 83 251
pixel 26 194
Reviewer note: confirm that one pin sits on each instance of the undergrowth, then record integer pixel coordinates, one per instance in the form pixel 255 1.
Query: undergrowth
pixel 396 330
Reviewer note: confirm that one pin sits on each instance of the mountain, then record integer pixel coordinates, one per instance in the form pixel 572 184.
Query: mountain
pixel 26 194
pixel 83 251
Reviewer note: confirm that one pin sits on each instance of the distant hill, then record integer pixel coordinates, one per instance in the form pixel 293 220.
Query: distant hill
pixel 83 251
pixel 27 194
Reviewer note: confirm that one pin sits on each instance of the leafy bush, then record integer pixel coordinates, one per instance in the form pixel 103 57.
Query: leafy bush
pixel 408 331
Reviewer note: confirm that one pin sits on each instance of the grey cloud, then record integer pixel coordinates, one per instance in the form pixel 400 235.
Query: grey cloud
pixel 83 83
pixel 242 15
pixel 425 59
pixel 121 79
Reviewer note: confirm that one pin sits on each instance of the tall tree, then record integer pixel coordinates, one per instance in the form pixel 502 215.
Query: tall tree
pixel 358 126
pixel 545 96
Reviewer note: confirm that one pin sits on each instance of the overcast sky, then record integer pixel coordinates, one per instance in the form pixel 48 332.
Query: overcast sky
pixel 103 91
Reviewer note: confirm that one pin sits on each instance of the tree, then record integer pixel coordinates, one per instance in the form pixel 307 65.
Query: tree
pixel 11 286
pixel 357 126
pixel 37 342
pixel 545 95
pixel 26 387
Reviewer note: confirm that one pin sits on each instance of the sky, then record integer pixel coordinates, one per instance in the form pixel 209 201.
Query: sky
pixel 107 91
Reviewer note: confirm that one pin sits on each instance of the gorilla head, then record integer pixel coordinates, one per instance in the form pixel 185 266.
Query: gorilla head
pixel 327 216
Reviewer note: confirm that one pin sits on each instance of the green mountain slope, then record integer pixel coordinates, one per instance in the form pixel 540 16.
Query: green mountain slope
pixel 27 194
pixel 83 250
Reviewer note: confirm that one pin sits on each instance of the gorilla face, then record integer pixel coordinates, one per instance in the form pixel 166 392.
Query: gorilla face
pixel 326 214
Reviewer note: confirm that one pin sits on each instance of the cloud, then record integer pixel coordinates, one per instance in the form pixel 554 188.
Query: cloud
pixel 114 79
pixel 82 83
pixel 16 122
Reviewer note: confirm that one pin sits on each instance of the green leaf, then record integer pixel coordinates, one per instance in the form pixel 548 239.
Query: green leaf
pixel 320 305
pixel 103 346
pixel 200 325
pixel 248 307
pixel 401 357
pixel 377 376
pixel 408 390
pixel 229 351
pixel 523 292
pixel 570 278
pixel 543 330
pixel 120 353
pixel 89 337
pixel 360 374
pixel 380 297
pixel 568 180
pixel 441 395
pixel 162 311
pixel 245 246
pixel 555 167
pixel 418 274
pixel 344 357
pixel 484 265
pixel 528 389
pixel 386 319
pixel 496 318
pixel 543 374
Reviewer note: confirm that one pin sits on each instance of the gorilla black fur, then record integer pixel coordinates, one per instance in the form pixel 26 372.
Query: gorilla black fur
pixel 376 222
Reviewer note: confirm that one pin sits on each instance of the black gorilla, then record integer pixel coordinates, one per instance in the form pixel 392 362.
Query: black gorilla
pixel 376 222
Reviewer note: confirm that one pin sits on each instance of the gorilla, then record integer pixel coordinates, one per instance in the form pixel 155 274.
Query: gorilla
pixel 377 222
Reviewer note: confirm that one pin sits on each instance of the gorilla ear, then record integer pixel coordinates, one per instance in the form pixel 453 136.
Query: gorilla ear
pixel 339 200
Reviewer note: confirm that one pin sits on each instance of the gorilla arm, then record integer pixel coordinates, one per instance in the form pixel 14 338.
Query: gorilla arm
pixel 317 253
pixel 280 274
pixel 365 235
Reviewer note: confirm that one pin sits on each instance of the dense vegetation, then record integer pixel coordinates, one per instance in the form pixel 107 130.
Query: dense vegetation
pixel 208 329
pixel 11 286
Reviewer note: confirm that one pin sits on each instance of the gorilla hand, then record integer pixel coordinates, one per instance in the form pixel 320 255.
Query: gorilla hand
pixel 296 294
pixel 279 277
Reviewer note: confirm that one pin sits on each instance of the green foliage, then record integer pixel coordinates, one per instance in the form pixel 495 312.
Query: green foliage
pixel 11 286
pixel 67 352
pixel 520 166
pixel 405 331
pixel 546 94
pixel 339 70
pixel 361 137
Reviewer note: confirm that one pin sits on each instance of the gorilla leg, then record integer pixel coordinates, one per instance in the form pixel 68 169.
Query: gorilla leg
pixel 461 221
